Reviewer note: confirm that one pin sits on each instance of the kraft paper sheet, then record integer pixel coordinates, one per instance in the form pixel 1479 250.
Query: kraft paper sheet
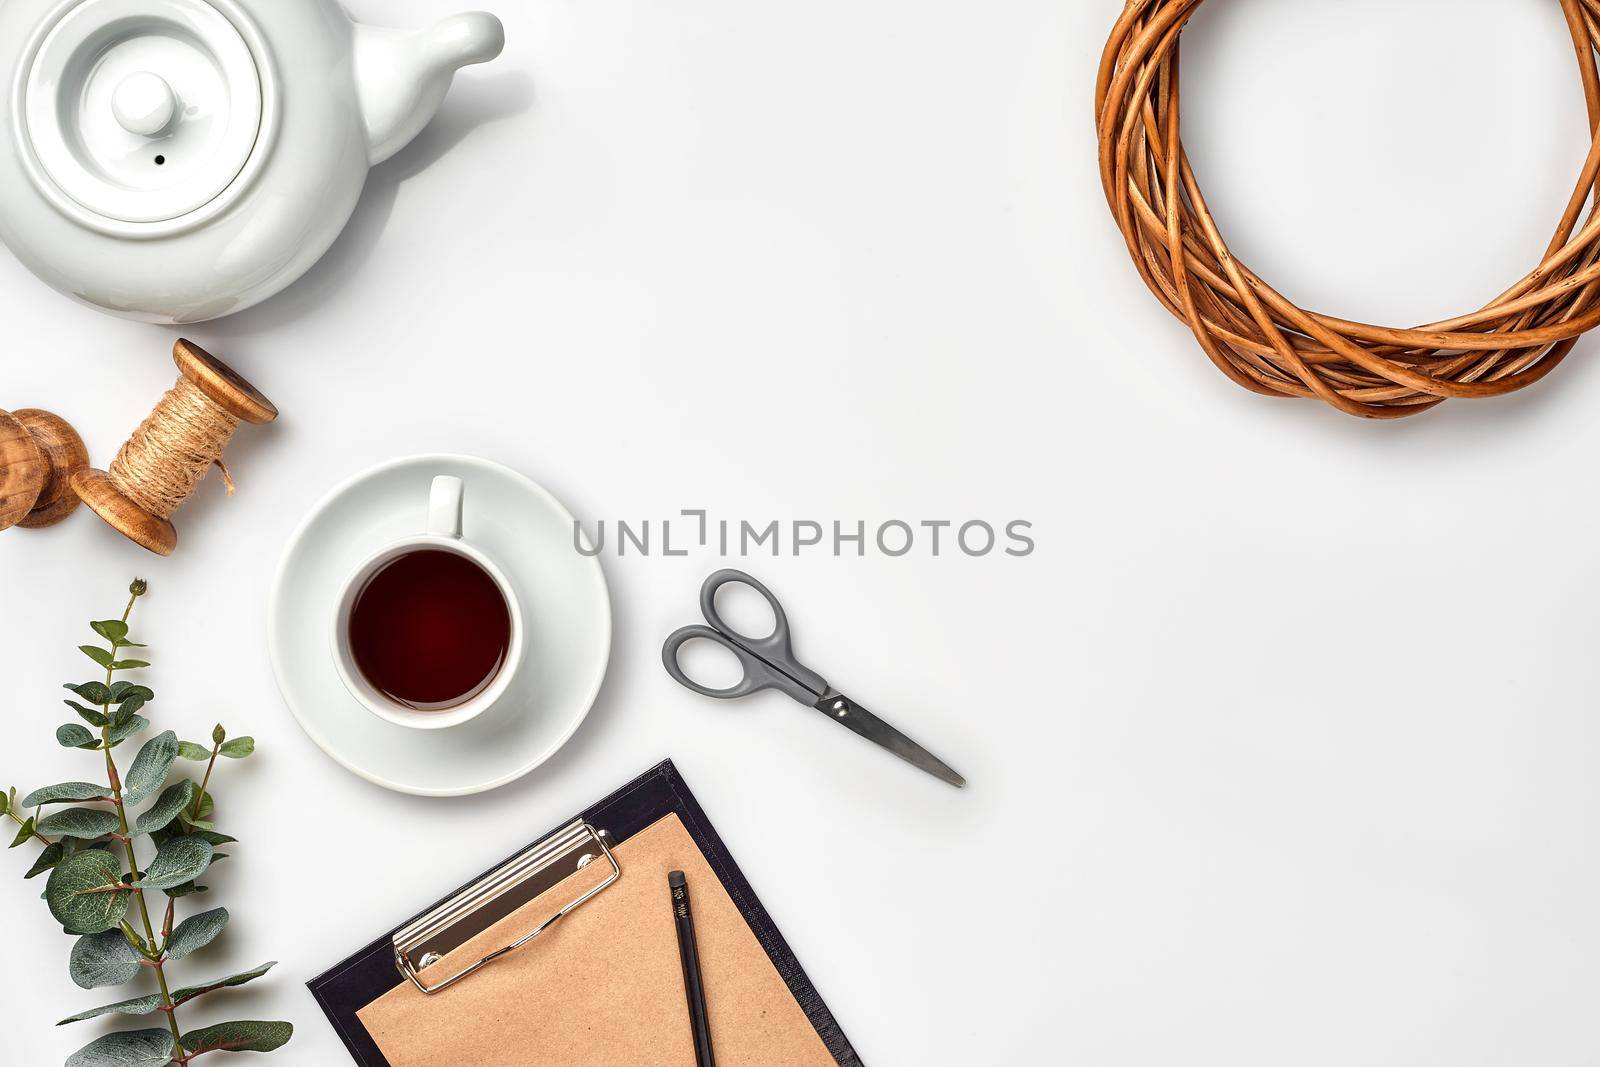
pixel 604 986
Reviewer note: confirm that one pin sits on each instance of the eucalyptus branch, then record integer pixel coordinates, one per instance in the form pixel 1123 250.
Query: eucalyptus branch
pixel 91 894
pixel 135 591
pixel 217 737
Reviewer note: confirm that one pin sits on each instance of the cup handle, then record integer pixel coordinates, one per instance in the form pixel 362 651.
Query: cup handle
pixel 444 507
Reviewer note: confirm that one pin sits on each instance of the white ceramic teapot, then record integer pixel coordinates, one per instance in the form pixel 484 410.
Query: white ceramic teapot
pixel 181 160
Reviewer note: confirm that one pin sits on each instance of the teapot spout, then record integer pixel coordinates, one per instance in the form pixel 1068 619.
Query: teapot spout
pixel 403 76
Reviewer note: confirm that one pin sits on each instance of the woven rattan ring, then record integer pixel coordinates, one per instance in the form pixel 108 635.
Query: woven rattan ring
pixel 1254 334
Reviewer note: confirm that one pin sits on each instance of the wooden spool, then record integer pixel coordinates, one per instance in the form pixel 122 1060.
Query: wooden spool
pixel 222 386
pixel 39 454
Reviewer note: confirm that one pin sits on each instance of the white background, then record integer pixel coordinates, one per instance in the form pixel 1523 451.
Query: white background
pixel 1282 743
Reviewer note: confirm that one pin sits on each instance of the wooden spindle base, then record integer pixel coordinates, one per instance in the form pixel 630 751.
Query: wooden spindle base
pixel 39 453
pixel 127 518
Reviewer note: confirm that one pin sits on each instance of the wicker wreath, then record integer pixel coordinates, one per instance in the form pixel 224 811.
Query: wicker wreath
pixel 1254 334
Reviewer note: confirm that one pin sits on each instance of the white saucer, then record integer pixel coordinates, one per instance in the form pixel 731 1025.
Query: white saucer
pixel 567 614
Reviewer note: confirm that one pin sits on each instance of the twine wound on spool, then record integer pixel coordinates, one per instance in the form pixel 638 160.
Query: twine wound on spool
pixel 167 456
pixel 164 460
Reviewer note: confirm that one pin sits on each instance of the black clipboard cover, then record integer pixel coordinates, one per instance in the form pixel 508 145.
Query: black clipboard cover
pixel 361 979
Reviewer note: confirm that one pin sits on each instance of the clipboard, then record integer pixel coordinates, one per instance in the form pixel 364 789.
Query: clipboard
pixel 555 889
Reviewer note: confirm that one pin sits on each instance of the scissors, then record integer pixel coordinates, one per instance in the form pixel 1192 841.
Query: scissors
pixel 769 663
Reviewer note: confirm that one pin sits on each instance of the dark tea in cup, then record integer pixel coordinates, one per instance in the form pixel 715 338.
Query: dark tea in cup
pixel 429 629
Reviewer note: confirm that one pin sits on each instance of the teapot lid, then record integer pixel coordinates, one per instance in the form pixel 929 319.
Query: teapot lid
pixel 141 112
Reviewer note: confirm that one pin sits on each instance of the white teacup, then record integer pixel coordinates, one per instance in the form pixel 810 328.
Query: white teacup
pixel 443 533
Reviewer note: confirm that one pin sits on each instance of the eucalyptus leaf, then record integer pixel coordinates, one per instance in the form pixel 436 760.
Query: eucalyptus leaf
pixel 85 892
pixel 173 800
pixel 65 793
pixel 191 751
pixel 183 859
pixel 199 820
pixel 196 932
pixel 103 959
pixel 5 803
pixel 136 1006
pixel 127 710
pixel 83 823
pixel 121 691
pixel 88 715
pixel 75 735
pixel 150 768
pixel 232 1037
pixel 93 692
pixel 122 731
pixel 133 1048
pixel 100 655
pixel 239 747
pixel 184 890
pixel 24 835
pixel 188 993
pixel 113 630
pixel 215 838
pixel 129 664
pixel 52 855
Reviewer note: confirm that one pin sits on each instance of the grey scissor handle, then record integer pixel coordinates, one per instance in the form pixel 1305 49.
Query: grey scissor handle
pixel 768 662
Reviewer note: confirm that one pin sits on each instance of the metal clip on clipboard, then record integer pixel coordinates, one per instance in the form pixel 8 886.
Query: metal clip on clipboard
pixel 423 943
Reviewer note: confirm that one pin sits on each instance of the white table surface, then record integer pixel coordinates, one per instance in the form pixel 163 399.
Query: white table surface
pixel 1281 744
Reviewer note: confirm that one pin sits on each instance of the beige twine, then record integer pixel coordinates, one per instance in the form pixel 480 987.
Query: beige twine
pixel 170 452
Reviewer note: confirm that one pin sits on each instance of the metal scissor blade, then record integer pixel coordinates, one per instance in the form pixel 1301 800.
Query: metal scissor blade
pixel 843 710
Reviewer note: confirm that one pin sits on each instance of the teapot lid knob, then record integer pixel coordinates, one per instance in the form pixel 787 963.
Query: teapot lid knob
pixel 144 104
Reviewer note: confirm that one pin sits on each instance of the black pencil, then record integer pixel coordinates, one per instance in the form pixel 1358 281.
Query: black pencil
pixel 699 1022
